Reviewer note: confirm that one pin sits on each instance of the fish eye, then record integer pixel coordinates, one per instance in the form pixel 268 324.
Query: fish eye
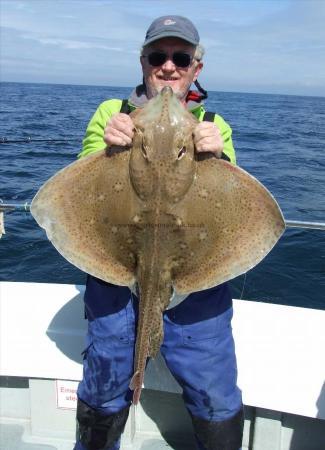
pixel 144 150
pixel 181 153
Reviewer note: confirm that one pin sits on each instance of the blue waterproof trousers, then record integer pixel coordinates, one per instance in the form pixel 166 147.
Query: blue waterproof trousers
pixel 198 348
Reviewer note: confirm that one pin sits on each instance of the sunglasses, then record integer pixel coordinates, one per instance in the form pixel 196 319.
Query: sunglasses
pixel 180 59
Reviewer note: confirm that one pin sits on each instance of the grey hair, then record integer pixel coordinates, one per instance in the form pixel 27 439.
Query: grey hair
pixel 199 52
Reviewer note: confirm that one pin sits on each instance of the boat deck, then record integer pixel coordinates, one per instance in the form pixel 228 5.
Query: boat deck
pixel 281 373
pixel 160 422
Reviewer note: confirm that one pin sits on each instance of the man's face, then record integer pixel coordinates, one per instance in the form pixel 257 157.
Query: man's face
pixel 168 74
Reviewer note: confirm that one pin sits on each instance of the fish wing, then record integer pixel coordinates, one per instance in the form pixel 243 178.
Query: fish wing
pixel 86 210
pixel 230 223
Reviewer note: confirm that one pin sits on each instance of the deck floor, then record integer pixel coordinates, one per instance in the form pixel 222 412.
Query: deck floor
pixel 16 435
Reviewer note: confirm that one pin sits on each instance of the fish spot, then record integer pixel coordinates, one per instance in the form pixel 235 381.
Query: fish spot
pixel 203 193
pixel 114 229
pixel 203 235
pixel 101 197
pixel 178 221
pixel 136 218
pixel 118 186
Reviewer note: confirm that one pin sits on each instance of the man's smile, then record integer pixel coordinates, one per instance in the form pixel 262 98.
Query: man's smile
pixel 167 78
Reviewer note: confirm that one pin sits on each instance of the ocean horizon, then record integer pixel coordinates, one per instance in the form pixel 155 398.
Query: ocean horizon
pixel 132 87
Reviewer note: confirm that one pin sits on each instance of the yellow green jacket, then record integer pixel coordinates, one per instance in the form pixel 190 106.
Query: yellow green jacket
pixel 94 141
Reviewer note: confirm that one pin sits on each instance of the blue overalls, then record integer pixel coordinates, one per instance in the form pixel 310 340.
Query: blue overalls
pixel 198 349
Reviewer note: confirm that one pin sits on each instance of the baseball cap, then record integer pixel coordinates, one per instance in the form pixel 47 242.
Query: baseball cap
pixel 172 26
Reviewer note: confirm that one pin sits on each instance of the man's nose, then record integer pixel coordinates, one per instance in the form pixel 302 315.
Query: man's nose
pixel 168 65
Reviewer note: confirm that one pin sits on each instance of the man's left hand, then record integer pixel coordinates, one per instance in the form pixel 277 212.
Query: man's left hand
pixel 207 138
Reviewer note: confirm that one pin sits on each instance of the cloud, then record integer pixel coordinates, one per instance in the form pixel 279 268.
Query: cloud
pixel 70 44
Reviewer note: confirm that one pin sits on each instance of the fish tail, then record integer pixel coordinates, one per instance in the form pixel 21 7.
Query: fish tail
pixel 156 339
pixel 150 327
pixel 136 385
pixel 141 352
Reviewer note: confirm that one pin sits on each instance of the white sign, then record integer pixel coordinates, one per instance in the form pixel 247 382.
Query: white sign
pixel 66 394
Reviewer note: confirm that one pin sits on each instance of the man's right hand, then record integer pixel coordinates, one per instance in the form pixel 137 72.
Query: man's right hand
pixel 119 130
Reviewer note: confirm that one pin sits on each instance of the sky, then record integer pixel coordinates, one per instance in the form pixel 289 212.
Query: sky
pixel 262 46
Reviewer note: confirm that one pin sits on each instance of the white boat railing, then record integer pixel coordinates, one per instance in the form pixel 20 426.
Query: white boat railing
pixel 305 225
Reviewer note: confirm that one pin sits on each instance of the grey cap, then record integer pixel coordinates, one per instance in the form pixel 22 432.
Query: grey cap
pixel 172 26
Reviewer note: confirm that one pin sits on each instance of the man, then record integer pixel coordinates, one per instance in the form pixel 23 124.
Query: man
pixel 198 345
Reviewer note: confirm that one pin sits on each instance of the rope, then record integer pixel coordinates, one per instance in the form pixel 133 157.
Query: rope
pixel 242 291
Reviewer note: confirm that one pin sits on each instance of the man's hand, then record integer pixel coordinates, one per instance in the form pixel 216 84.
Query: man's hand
pixel 207 138
pixel 119 130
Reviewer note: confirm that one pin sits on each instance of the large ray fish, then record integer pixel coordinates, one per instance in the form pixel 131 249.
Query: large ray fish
pixel 158 216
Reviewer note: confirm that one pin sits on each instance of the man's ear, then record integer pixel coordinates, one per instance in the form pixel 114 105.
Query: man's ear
pixel 198 69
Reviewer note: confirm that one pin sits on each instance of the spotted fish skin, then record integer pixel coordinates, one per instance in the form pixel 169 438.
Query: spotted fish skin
pixel 162 169
pixel 158 216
